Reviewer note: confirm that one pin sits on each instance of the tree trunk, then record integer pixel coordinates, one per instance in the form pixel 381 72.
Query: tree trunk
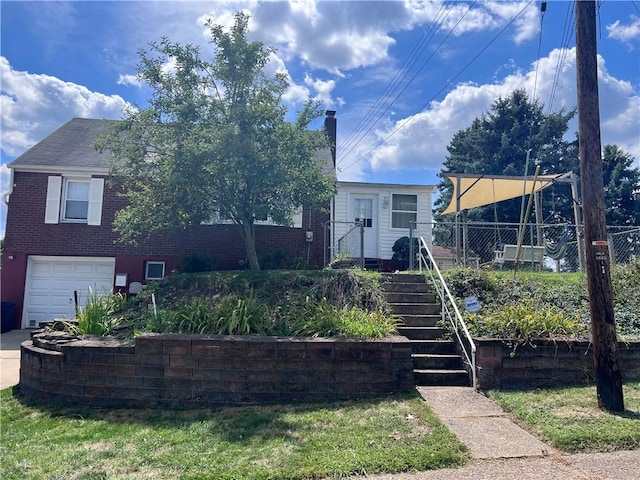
pixel 249 236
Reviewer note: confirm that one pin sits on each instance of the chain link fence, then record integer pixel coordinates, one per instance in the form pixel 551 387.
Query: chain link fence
pixel 478 244
pixel 343 241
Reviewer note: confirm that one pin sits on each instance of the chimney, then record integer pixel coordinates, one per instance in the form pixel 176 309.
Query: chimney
pixel 330 123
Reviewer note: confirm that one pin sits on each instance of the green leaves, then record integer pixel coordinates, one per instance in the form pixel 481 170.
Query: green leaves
pixel 214 136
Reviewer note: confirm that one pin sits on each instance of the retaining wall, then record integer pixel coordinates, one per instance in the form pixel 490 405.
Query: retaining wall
pixel 189 371
pixel 546 363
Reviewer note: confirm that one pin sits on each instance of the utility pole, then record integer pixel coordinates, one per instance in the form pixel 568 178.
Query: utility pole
pixel 603 327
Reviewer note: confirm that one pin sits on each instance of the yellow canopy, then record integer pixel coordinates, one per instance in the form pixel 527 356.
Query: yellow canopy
pixel 480 190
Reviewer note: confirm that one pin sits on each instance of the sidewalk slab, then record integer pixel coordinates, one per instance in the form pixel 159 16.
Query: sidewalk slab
pixel 621 465
pixel 532 468
pixel 10 356
pixel 481 424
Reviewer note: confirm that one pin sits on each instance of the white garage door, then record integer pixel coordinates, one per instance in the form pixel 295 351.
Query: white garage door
pixel 51 282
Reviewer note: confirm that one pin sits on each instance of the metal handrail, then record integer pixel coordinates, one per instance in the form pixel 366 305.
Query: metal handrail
pixel 447 299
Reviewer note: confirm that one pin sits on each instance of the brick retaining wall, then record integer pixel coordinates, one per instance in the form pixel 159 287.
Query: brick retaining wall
pixel 545 363
pixel 188 371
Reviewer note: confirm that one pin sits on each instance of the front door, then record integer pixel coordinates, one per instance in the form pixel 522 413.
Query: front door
pixel 365 209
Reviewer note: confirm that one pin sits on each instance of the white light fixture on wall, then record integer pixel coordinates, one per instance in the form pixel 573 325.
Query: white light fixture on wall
pixel 385 202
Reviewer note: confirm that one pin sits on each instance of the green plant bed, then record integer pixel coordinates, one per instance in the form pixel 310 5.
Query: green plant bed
pixel 282 303
pixel 395 434
pixel 525 305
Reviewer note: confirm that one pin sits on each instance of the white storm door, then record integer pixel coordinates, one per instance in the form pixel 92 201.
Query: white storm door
pixel 365 210
pixel 51 282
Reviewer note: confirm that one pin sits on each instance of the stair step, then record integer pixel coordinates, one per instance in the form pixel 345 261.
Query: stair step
pixel 407 287
pixel 446 347
pixel 435 360
pixel 410 297
pixel 421 333
pixel 423 361
pixel 429 377
pixel 415 308
pixel 420 320
pixel 405 277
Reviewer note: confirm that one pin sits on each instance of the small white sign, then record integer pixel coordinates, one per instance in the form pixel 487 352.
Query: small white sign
pixel 472 304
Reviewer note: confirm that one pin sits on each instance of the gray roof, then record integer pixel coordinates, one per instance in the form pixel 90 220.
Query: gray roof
pixel 70 146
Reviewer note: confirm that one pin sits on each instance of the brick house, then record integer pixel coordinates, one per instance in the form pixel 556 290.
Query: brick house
pixel 59 237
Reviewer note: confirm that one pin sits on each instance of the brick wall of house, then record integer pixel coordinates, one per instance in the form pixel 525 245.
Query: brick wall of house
pixel 187 371
pixel 27 233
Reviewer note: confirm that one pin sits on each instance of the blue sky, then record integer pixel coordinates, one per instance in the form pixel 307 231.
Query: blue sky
pixel 403 76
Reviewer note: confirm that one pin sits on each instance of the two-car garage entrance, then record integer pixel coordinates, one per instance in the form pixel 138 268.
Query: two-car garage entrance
pixel 52 281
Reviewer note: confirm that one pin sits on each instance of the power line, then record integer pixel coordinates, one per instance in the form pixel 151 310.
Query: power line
pixel 455 77
pixel 401 74
pixel 567 35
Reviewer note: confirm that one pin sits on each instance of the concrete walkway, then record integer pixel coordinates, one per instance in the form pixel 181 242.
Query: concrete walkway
pixel 10 356
pixel 499 449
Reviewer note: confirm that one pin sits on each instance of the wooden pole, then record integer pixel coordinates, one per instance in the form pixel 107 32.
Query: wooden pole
pixel 603 328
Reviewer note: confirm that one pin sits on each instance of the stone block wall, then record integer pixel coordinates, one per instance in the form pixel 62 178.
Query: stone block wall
pixel 545 363
pixel 191 371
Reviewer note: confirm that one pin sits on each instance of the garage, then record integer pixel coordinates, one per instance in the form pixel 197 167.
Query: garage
pixel 52 281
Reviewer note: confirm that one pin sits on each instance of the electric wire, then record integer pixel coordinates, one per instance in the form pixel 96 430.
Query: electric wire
pixel 400 75
pixel 453 79
pixel 413 77
pixel 567 35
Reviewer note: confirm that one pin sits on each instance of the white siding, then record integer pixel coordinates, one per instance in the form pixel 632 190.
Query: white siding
pixel 387 235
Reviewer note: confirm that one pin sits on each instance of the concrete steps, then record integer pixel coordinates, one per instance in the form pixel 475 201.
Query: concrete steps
pixel 435 358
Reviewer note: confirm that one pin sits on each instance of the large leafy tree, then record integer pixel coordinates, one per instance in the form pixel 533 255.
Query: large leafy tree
pixel 214 141
pixel 621 187
pixel 497 142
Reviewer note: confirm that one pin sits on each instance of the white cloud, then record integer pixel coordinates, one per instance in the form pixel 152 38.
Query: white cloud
pixel 625 33
pixel 420 141
pixel 33 105
pixel 128 79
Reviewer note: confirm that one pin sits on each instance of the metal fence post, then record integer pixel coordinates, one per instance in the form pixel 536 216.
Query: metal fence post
pixel 411 255
pixel 362 245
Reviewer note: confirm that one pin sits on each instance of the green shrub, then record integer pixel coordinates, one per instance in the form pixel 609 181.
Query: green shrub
pixel 524 321
pixel 98 316
pixel 198 263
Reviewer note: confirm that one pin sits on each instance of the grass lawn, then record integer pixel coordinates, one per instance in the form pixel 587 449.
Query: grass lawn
pixel 570 420
pixel 394 434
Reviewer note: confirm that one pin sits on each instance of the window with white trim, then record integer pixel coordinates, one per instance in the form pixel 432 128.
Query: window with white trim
pixel 74 200
pixel 404 210
pixel 154 271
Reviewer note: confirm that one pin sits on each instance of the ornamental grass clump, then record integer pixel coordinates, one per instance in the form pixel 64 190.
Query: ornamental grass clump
pixel 98 316
pixel 524 321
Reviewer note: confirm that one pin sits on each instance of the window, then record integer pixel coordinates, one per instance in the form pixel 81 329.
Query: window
pixel 404 210
pixel 75 204
pixel 77 200
pixel 154 271
pixel 364 211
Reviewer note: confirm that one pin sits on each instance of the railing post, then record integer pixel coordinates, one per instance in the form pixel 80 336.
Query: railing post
pixel 411 255
pixel 362 245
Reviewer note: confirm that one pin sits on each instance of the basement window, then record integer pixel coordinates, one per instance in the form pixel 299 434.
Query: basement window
pixel 154 271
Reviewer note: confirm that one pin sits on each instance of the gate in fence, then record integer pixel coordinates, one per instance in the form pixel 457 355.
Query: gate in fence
pixel 344 241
